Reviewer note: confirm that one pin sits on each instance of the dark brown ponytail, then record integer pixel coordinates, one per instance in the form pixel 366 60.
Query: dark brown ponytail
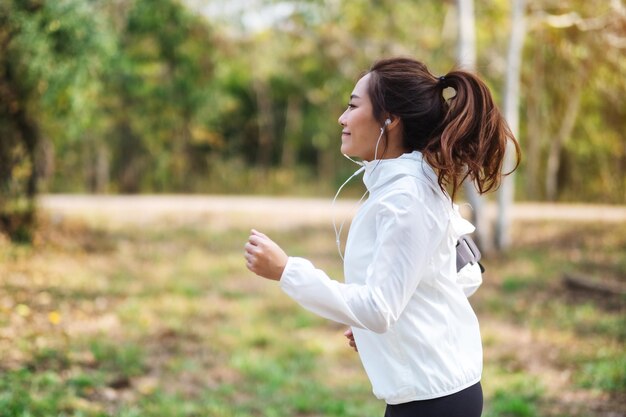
pixel 462 137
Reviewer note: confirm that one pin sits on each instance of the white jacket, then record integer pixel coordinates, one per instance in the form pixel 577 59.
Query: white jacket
pixel 417 335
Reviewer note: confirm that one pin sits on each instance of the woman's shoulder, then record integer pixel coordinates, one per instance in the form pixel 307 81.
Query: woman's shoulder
pixel 412 190
pixel 411 207
pixel 413 194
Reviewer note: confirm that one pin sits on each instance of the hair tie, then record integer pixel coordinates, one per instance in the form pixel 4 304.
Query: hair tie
pixel 447 92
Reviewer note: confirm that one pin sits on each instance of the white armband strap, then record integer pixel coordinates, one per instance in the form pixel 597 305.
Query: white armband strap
pixel 467 253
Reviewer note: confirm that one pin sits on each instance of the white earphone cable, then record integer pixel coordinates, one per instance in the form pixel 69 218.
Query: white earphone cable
pixel 338 231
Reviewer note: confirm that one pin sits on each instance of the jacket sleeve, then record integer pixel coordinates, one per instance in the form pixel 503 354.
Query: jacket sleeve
pixel 407 234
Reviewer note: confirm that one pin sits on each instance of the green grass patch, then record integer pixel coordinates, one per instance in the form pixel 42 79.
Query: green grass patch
pixel 123 359
pixel 606 374
pixel 515 284
pixel 516 394
pixel 167 321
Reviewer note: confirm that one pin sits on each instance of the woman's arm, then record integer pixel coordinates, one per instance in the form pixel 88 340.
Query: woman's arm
pixel 407 234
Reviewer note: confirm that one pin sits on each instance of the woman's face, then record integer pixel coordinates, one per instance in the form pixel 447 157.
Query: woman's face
pixel 360 129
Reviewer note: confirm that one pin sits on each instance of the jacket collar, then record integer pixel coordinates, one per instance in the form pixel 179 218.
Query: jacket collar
pixel 382 171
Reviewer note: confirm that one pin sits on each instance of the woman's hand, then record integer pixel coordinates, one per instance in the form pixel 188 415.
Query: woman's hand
pixel 264 257
pixel 351 342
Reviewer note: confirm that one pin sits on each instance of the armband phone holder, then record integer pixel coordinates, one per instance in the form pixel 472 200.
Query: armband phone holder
pixel 467 253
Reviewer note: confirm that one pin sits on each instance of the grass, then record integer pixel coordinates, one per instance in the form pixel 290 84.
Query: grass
pixel 164 320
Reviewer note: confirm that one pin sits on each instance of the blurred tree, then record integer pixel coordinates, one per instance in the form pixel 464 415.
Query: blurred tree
pixel 511 114
pixel 567 108
pixel 144 96
pixel 49 50
pixel 466 59
pixel 308 74
pixel 159 85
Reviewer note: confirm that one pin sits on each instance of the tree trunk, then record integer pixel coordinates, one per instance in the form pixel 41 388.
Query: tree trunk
pixel 97 167
pixel 511 113
pixel 18 131
pixel 293 128
pixel 466 54
pixel 265 123
pixel 535 129
pixel 466 57
pixel 622 172
pixel 326 164
pixel 29 133
pixel 45 161
pixel 103 169
pixel 185 164
pixel 565 131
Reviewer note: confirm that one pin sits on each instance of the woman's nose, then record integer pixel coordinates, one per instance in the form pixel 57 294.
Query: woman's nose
pixel 341 119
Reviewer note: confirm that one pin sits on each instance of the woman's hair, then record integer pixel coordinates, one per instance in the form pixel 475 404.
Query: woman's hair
pixel 462 137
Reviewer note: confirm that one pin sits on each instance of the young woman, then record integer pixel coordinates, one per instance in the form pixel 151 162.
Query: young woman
pixel 417 335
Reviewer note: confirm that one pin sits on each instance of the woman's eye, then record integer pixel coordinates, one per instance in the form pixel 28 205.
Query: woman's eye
pixel 351 106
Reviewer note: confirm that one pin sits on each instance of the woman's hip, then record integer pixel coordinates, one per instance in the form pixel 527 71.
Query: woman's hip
pixel 465 403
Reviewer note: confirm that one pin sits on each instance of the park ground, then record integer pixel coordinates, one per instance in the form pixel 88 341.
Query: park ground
pixel 142 306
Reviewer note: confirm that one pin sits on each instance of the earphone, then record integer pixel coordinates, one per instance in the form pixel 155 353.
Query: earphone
pixel 387 123
pixel 382 130
pixel 338 231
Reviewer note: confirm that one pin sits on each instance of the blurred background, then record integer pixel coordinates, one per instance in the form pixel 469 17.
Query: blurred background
pixel 140 139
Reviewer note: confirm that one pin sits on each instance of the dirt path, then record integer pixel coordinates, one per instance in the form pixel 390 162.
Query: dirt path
pixel 274 212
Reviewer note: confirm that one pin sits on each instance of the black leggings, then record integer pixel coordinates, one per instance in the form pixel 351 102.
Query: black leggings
pixel 466 403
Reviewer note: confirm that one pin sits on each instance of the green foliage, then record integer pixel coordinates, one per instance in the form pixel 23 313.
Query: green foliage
pixel 154 96
pixel 159 85
pixel 591 155
pixel 50 52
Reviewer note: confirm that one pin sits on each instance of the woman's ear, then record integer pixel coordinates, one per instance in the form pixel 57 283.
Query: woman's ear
pixel 391 122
